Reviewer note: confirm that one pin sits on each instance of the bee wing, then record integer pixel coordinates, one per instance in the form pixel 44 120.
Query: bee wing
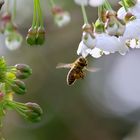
pixel 63 65
pixel 92 69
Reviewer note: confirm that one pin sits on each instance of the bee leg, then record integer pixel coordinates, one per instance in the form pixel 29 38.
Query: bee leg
pixel 82 75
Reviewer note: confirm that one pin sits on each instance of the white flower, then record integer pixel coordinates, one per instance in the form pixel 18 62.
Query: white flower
pixel 112 30
pixel 102 44
pixel 87 43
pixel 13 40
pixel 113 25
pixel 82 49
pixel 81 2
pixel 110 43
pixel 87 46
pixel 96 3
pixel 132 30
pixel 135 10
pixel 89 40
pixel 62 18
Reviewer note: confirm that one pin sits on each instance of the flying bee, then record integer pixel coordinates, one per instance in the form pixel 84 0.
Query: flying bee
pixel 76 69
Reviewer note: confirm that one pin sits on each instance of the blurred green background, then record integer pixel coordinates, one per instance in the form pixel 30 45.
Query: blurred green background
pixel 68 113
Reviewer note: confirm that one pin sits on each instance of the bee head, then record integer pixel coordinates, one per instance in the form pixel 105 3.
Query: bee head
pixel 82 61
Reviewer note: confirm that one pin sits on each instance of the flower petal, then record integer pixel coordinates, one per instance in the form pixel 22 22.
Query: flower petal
pixel 96 3
pixel 121 13
pixel 132 29
pixel 96 52
pixel 88 40
pixel 82 49
pixel 111 43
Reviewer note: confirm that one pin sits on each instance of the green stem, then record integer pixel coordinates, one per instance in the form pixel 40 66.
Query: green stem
pixel 22 105
pixel 52 3
pixel 14 11
pixel 34 14
pixel 108 6
pixel 124 5
pixel 8 82
pixel 15 105
pixel 40 13
pixel 7 6
pixel 84 14
pixel 20 112
pixel 100 12
pixel 37 17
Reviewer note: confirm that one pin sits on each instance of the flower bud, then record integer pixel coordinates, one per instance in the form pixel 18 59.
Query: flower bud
pixel 18 87
pixel 23 68
pixel 31 36
pixel 22 75
pixel 34 112
pixel 88 37
pixel 40 38
pixel 87 28
pixel 23 71
pixel 113 25
pixel 99 26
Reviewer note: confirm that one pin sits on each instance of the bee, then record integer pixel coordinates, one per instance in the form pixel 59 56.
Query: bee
pixel 76 69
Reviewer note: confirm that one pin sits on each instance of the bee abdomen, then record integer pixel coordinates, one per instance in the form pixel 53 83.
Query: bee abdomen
pixel 71 77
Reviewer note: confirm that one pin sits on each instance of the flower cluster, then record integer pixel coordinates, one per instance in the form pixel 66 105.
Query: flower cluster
pixel 13 39
pixel 36 34
pixel 11 83
pixel 113 31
